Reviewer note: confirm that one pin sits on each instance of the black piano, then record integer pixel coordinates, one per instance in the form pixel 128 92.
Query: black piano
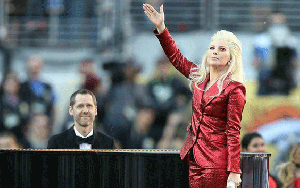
pixel 111 168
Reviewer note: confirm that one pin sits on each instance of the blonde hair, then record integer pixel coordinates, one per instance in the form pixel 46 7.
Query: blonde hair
pixel 198 75
pixel 286 173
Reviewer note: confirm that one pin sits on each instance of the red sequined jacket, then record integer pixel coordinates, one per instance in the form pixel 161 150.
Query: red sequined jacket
pixel 215 126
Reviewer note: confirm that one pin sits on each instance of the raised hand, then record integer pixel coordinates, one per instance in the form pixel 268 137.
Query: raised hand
pixel 157 18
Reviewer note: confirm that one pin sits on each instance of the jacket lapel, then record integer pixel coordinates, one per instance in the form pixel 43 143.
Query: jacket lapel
pixel 201 87
pixel 72 139
pixel 213 91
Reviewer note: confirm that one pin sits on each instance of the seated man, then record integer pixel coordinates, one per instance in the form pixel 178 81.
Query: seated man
pixel 83 108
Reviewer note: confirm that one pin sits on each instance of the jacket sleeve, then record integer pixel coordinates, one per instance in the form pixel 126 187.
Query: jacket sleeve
pixel 52 144
pixel 236 103
pixel 171 50
pixel 113 145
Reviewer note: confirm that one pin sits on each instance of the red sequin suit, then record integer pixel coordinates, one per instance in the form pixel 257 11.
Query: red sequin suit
pixel 212 147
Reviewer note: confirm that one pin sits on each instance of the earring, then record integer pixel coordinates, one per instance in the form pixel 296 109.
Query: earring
pixel 228 63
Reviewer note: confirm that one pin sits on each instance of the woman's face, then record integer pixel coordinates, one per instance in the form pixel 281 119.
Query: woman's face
pixel 257 144
pixel 218 53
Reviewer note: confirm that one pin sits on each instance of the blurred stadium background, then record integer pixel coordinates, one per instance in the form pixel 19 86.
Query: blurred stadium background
pixel 64 32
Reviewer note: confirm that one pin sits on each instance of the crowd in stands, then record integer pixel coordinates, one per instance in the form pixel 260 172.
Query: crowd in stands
pixel 275 57
pixel 27 109
pixel 139 113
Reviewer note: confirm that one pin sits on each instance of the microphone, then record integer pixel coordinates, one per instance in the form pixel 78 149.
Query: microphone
pixel 230 184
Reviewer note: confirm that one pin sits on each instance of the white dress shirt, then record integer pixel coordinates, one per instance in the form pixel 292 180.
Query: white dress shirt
pixel 84 145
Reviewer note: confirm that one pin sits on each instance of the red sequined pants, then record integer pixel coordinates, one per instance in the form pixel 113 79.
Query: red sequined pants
pixel 205 177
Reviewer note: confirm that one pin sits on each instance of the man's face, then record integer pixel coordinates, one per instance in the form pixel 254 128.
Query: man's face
pixel 35 65
pixel 84 110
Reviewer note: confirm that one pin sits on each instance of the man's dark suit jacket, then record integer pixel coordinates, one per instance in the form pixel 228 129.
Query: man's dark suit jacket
pixel 67 140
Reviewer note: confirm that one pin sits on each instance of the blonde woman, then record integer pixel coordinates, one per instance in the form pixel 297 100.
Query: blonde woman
pixel 289 172
pixel 212 148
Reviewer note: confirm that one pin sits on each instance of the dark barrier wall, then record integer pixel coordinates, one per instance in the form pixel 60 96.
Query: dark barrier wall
pixel 255 170
pixel 111 168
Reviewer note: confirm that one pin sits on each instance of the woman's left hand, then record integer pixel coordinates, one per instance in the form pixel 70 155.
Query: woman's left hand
pixel 236 178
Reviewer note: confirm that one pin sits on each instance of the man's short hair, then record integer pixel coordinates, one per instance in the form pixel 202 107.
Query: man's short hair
pixel 82 92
